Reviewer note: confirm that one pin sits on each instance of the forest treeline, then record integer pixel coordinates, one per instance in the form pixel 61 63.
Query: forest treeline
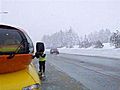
pixel 69 39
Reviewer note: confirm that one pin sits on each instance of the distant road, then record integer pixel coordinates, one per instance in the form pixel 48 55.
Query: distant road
pixel 96 73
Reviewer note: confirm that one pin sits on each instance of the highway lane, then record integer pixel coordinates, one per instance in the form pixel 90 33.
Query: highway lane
pixel 58 80
pixel 96 73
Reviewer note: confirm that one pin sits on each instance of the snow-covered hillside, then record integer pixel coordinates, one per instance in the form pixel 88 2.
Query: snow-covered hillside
pixel 106 51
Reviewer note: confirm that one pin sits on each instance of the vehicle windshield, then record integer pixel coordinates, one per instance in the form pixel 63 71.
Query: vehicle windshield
pixel 10 40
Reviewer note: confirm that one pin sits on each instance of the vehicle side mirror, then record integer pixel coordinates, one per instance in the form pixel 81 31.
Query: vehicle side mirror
pixel 40 47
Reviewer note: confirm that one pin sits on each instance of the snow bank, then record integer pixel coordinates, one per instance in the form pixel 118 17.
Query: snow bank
pixel 106 51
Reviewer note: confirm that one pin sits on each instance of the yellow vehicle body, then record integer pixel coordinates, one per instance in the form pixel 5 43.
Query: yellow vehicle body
pixel 16 52
pixel 19 79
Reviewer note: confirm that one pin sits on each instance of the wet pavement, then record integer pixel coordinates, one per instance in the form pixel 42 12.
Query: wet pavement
pixel 57 80
pixel 96 73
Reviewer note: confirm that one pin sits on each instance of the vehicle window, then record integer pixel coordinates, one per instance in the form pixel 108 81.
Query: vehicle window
pixel 9 40
pixel 31 48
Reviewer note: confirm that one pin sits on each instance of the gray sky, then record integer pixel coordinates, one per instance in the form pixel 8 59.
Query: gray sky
pixel 39 17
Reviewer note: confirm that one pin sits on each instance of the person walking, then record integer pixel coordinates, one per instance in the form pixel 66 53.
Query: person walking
pixel 42 60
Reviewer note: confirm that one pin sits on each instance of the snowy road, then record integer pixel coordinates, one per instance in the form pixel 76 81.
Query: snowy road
pixel 57 80
pixel 96 73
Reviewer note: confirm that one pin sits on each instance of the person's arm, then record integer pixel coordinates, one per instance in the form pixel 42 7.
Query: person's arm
pixel 43 55
pixel 36 55
pixel 33 56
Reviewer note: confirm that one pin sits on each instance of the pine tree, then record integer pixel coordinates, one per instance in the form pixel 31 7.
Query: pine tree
pixel 115 39
pixel 98 44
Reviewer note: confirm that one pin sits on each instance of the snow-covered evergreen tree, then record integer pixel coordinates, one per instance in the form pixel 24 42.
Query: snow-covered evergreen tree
pixel 71 38
pixel 85 43
pixel 115 39
pixel 102 35
pixel 61 39
pixel 98 44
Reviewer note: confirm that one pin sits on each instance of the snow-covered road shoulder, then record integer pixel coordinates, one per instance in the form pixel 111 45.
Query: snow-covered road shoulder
pixel 107 51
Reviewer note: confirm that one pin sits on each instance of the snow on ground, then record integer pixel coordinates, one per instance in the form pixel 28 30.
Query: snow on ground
pixel 106 51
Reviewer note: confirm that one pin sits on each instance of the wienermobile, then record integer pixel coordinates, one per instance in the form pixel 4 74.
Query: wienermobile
pixel 16 54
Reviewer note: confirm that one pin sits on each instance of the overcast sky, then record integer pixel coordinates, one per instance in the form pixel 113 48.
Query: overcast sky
pixel 39 17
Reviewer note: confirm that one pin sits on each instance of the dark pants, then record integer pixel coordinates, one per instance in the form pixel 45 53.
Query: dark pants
pixel 42 66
